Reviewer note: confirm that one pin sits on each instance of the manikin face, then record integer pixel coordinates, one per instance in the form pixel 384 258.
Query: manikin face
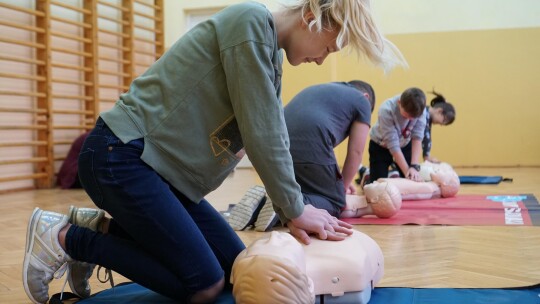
pixel 309 46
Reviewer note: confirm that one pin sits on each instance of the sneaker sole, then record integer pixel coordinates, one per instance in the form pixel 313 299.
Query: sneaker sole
pixel 246 211
pixel 30 232
pixel 267 218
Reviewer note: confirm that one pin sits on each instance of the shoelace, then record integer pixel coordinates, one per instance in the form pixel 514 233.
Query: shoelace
pixel 108 276
pixel 59 273
pixel 62 270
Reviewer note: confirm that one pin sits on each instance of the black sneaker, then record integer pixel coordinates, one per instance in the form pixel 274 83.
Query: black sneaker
pixel 363 174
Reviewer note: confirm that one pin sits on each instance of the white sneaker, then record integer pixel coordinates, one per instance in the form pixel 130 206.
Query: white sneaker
pixel 80 272
pixel 267 218
pixel 43 256
pixel 246 211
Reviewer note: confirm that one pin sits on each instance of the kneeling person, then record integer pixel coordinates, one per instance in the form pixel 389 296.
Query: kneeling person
pixel 318 119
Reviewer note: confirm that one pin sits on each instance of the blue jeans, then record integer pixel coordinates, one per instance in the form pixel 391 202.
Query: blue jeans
pixel 157 237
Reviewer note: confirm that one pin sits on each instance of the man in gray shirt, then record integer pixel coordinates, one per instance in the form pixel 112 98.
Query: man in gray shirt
pixel 318 119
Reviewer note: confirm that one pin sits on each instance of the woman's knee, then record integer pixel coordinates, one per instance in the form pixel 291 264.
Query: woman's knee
pixel 209 294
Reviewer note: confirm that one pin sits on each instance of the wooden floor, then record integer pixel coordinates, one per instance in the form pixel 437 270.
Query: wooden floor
pixel 415 256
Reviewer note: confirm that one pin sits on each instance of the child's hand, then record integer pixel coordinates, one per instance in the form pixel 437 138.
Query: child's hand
pixel 351 189
pixel 412 174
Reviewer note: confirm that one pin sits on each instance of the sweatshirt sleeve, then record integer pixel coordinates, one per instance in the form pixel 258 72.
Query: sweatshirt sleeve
pixel 252 76
pixel 388 129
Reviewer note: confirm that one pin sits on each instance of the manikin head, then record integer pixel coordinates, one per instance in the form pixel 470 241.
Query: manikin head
pixel 272 270
pixel 279 269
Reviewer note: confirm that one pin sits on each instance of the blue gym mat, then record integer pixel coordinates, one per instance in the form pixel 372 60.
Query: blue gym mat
pixel 134 293
pixel 477 179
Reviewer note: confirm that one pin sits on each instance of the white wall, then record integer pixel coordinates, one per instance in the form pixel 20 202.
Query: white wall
pixel 397 17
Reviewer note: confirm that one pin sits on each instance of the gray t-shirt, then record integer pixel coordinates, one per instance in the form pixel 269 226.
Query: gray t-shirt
pixel 320 117
pixel 393 131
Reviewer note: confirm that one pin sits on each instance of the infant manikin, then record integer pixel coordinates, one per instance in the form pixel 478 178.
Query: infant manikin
pixel 278 269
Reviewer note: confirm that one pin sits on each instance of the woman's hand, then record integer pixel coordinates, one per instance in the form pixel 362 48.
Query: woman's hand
pixel 318 222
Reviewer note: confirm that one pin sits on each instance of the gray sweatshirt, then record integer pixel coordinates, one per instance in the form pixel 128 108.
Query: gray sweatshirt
pixel 216 90
pixel 392 130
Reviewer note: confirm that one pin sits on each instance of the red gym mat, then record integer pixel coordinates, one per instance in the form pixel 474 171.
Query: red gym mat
pixel 479 210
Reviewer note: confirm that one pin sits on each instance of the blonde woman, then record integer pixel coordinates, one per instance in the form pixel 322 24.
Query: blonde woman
pixel 175 136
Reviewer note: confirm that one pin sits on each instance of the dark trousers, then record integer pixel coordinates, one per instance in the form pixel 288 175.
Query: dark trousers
pixel 380 159
pixel 157 237
pixel 322 186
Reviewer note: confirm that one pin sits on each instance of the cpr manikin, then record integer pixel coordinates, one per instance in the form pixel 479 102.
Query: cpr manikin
pixel 383 197
pixel 440 180
pixel 279 269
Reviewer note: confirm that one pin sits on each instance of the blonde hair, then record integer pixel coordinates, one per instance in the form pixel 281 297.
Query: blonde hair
pixel 357 29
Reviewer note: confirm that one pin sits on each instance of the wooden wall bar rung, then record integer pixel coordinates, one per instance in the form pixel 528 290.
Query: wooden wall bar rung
pixel 68 51
pixel 118 34
pixel 72 37
pixel 112 86
pixel 22 9
pixel 22 26
pixel 155 7
pixel 113 20
pixel 26 127
pixel 141 64
pixel 71 81
pixel 20 59
pixel 71 7
pixel 22 76
pixel 80 127
pixel 113 73
pixel 145 40
pixel 22 42
pixel 23 177
pixel 23 110
pixel 147 16
pixel 63 111
pixel 64 20
pixel 23 144
pixel 79 97
pixel 114 60
pixel 17 93
pixel 149 29
pixel 113 46
pixel 23 160
pixel 60 158
pixel 118 7
pixel 71 67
